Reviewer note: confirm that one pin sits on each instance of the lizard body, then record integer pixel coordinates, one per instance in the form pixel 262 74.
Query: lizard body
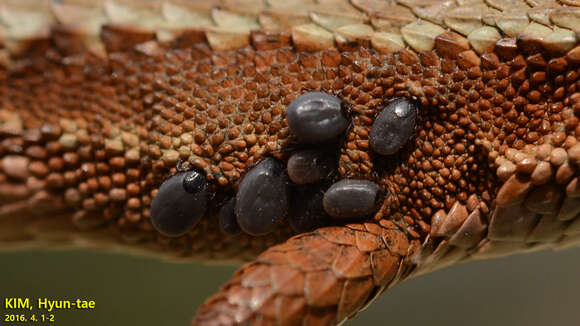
pixel 96 113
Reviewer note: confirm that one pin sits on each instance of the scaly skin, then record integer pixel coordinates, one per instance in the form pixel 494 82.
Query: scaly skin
pixel 89 129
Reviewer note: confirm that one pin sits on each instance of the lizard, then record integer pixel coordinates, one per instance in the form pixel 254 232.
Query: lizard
pixel 102 103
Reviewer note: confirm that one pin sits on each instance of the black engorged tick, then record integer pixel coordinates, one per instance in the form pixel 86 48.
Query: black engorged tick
pixel 262 198
pixel 310 166
pixel 180 203
pixel 393 127
pixel 193 182
pixel 351 198
pixel 316 117
pixel 227 218
pixel 306 211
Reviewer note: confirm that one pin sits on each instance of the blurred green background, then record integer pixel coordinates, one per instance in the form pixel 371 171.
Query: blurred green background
pixel 534 290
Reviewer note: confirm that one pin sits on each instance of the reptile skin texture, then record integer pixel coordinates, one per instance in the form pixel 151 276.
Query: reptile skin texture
pixel 101 101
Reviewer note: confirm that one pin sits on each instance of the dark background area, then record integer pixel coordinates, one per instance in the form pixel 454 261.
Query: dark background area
pixel 534 290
